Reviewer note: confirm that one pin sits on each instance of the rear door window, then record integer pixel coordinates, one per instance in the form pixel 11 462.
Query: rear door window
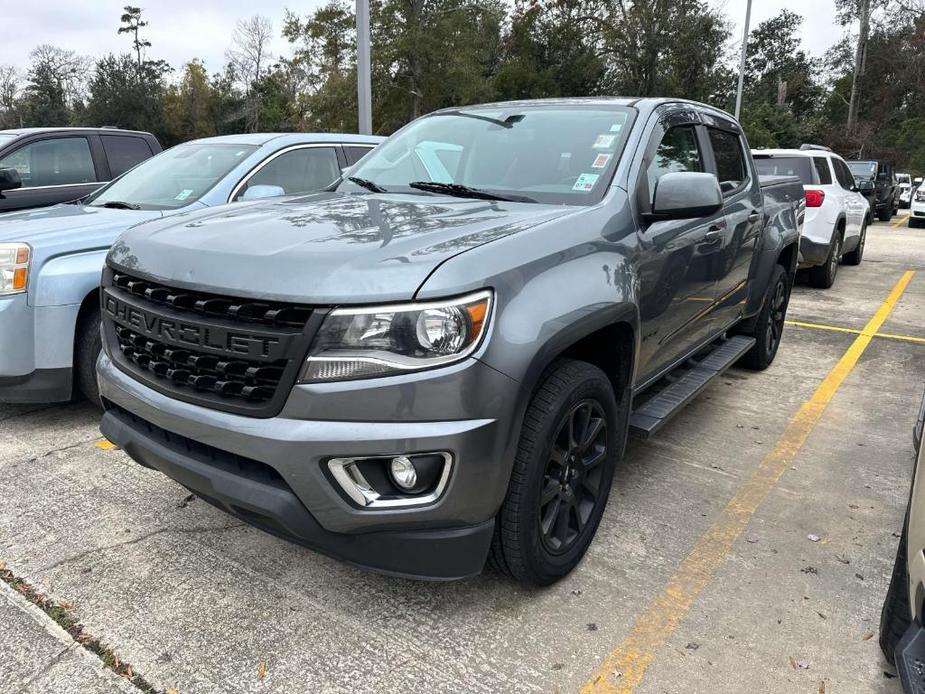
pixel 730 161
pixel 123 152
pixel 843 174
pixel 58 161
pixel 354 153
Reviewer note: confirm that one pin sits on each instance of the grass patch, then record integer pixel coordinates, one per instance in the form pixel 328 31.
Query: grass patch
pixel 63 615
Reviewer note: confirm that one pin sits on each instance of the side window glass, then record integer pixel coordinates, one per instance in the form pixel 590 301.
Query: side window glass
pixel 845 177
pixel 822 168
pixel 678 151
pixel 56 162
pixel 124 152
pixel 730 162
pixel 354 153
pixel 302 170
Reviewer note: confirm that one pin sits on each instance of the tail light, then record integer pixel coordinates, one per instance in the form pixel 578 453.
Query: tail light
pixel 814 198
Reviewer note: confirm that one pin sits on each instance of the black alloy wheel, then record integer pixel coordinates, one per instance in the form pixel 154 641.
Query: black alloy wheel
pixel 572 479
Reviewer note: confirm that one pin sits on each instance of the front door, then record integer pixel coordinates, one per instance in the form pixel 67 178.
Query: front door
pixel 676 285
pixel 53 170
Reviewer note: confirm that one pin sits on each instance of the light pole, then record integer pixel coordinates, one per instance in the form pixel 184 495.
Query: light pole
pixel 748 17
pixel 364 81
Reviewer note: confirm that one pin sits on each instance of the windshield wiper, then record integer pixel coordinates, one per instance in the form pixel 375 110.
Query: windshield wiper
pixel 120 205
pixel 460 191
pixel 369 185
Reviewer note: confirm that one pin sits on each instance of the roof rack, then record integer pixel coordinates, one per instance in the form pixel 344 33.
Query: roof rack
pixel 806 146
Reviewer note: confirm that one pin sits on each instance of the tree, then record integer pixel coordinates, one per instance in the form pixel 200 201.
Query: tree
pixel 188 106
pixel 132 24
pixel 248 58
pixel 126 95
pixel 55 86
pixel 10 87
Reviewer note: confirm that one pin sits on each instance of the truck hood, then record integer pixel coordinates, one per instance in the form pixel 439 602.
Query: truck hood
pixel 326 248
pixel 96 227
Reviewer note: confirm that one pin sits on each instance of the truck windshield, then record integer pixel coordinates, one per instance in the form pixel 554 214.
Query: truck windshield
pixel 555 154
pixel 172 179
pixel 863 169
pixel 786 166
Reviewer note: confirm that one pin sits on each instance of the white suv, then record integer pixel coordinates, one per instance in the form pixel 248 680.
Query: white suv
pixel 836 213
pixel 917 207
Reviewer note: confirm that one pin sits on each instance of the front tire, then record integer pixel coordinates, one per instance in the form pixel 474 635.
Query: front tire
pixel 769 326
pixel 562 475
pixel 855 256
pixel 823 276
pixel 87 347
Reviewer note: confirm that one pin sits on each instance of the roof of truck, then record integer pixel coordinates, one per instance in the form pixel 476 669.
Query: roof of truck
pixel 33 131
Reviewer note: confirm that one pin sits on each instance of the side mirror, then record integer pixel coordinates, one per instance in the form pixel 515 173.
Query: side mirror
pixel 866 186
pixel 258 192
pixel 9 179
pixel 686 195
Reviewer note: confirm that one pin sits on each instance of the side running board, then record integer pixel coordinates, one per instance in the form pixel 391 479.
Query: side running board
pixel 666 398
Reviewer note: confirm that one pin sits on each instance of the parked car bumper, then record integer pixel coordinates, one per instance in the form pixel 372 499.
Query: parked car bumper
pixel 225 457
pixel 813 252
pixel 35 358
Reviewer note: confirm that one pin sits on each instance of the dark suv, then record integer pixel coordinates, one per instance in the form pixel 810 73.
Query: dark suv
pixel 876 182
pixel 45 166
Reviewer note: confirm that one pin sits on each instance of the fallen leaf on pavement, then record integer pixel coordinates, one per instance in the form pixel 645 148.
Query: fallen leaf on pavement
pixel 261 670
pixel 868 635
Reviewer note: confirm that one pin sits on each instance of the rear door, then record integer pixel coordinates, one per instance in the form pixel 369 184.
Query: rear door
pixel 856 206
pixel 53 168
pixel 677 257
pixel 744 217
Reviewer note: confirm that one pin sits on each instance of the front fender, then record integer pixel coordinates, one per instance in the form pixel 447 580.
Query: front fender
pixel 68 279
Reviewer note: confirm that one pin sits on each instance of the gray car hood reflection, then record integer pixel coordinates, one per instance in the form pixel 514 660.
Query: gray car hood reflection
pixel 327 248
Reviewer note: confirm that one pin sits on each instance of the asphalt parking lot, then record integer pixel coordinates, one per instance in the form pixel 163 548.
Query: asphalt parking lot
pixel 747 548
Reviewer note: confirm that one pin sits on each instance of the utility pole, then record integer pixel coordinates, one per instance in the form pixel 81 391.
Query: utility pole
pixel 748 19
pixel 860 57
pixel 364 81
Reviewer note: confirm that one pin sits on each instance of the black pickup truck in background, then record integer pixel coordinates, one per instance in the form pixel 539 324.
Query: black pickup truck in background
pixel 876 182
pixel 45 166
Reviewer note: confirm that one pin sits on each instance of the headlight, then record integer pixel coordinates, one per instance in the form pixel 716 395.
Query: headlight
pixel 14 268
pixel 385 340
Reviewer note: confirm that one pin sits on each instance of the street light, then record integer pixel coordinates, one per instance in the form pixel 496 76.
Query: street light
pixel 364 81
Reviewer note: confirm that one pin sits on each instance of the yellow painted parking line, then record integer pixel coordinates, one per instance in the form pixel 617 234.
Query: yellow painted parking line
pixel 818 326
pixel 625 666
pixel 902 220
pixel 106 444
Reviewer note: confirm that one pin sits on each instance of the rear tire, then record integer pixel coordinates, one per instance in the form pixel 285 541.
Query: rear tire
pixel 769 326
pixel 823 276
pixel 855 256
pixel 87 347
pixel 894 618
pixel 914 223
pixel 561 477
pixel 885 215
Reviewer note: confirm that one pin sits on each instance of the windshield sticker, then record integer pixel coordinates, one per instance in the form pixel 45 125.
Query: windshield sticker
pixel 616 127
pixel 601 161
pixel 184 194
pixel 605 141
pixel 585 182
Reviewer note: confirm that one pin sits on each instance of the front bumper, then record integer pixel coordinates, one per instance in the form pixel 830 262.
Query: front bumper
pixel 416 413
pixel 36 351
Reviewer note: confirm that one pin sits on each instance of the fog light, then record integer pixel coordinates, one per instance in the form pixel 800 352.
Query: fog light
pixel 403 473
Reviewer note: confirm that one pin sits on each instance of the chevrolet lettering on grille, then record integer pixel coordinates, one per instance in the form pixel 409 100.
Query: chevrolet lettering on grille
pixel 181 333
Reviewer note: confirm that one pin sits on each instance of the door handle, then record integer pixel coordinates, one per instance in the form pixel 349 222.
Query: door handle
pixel 713 234
pixel 754 216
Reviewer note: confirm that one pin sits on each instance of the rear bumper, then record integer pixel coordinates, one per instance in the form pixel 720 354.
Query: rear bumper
pixel 440 554
pixel 813 252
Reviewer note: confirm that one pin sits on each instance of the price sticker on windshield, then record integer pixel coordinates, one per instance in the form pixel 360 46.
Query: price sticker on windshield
pixel 585 182
pixel 601 161
pixel 605 141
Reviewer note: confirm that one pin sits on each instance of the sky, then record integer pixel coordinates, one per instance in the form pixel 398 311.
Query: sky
pixel 184 29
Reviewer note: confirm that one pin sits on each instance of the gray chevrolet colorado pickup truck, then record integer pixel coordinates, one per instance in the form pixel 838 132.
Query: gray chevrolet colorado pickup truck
pixel 438 360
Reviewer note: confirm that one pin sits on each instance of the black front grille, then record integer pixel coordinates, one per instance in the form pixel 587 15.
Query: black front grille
pixel 223 352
